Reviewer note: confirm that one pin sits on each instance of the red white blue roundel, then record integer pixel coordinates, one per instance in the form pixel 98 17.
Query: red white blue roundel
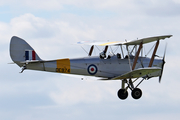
pixel 92 69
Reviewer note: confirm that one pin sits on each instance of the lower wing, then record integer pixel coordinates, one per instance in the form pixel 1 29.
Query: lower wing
pixel 137 73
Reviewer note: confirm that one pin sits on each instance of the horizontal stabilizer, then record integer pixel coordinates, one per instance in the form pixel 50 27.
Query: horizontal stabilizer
pixel 36 61
pixel 11 63
pixel 32 61
pixel 138 73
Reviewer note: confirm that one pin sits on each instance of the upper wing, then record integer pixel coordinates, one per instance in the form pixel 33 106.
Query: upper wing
pixel 147 40
pixel 133 42
pixel 137 73
pixel 100 43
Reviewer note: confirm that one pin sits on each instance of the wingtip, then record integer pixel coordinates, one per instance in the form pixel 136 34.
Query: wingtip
pixel 170 36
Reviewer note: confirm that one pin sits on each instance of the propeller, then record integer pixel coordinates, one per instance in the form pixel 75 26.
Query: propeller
pixel 163 62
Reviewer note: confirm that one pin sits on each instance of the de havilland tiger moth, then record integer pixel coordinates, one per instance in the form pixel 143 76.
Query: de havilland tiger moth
pixel 128 68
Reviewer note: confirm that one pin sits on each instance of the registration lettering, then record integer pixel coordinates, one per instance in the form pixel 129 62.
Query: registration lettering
pixel 63 70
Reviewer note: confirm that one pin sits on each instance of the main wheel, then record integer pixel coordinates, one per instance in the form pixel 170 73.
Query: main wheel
pixel 122 94
pixel 136 93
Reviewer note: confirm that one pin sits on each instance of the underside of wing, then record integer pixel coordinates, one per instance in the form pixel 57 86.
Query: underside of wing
pixel 138 73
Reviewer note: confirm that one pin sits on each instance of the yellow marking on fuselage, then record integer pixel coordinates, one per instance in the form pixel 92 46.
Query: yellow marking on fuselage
pixel 63 66
pixel 108 43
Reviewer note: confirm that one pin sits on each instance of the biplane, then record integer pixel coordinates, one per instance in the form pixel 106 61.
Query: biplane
pixel 128 67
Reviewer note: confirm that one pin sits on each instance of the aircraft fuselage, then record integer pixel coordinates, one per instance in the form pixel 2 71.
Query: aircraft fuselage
pixel 94 66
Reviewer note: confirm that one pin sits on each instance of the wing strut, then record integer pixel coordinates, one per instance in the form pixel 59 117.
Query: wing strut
pixel 136 57
pixel 122 51
pixel 129 58
pixel 91 50
pixel 106 48
pixel 153 55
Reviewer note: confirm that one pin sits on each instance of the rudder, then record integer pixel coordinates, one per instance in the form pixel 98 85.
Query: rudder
pixel 21 51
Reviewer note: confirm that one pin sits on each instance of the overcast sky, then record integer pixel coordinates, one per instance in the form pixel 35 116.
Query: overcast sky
pixel 51 28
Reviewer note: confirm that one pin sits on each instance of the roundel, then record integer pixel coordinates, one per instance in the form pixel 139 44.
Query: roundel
pixel 92 69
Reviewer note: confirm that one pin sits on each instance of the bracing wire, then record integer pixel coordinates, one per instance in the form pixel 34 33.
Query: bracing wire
pixel 97 48
pixel 145 51
pixel 150 49
pixel 116 49
pixel 84 49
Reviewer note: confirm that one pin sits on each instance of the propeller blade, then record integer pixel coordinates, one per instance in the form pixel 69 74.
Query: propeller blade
pixel 163 62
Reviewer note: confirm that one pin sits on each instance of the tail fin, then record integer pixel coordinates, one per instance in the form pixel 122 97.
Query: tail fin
pixel 21 51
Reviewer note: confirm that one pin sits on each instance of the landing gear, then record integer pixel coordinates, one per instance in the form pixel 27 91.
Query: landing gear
pixel 136 92
pixel 122 94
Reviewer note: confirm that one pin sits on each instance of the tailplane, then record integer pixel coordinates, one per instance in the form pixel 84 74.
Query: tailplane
pixel 21 51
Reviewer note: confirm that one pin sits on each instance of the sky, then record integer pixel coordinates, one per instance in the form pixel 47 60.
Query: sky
pixel 52 28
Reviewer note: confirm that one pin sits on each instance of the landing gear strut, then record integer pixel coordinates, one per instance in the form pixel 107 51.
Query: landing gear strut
pixel 136 92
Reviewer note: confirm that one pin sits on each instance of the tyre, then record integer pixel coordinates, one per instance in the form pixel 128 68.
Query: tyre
pixel 122 94
pixel 136 93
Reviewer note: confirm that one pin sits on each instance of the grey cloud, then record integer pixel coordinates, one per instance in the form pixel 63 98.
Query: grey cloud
pixel 160 8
